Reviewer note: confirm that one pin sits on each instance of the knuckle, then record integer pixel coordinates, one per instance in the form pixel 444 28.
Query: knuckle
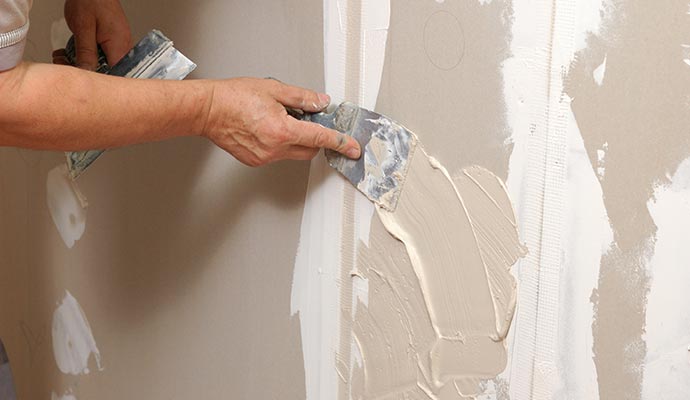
pixel 275 86
pixel 319 139
pixel 255 161
pixel 279 136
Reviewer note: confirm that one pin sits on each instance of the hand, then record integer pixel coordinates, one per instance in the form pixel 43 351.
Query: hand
pixel 247 118
pixel 98 22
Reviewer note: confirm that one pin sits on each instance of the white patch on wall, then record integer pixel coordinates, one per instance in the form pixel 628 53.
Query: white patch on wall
pixel 588 16
pixel 667 333
pixel 66 396
pixel 73 342
pixel 601 161
pixel 59 34
pixel 66 204
pixel 315 290
pixel 587 236
pixel 599 73
pixel 686 53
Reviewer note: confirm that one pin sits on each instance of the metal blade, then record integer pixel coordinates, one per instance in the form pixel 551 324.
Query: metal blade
pixel 387 148
pixel 154 57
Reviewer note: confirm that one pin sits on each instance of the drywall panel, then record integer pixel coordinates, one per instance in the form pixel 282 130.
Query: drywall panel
pixel 548 69
pixel 632 109
pixel 184 269
pixel 442 79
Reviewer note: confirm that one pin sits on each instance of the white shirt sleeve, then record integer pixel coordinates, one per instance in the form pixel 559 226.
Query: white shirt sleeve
pixel 14 26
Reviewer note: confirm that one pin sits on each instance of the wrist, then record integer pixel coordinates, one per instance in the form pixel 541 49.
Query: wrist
pixel 207 94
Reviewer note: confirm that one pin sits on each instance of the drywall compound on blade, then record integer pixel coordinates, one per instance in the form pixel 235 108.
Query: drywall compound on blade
pixel 73 342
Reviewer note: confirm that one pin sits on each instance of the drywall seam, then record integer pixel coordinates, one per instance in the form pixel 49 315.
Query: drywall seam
pixel 667 332
pixel 540 117
pixel 351 15
pixel 366 28
pixel 318 265
pixel 532 369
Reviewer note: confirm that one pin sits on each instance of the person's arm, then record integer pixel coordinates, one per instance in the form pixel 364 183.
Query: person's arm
pixel 63 108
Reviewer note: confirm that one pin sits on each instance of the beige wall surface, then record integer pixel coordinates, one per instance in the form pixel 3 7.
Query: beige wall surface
pixel 639 117
pixel 184 270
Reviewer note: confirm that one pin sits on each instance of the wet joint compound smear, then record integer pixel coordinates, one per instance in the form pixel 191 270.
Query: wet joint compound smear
pixel 435 321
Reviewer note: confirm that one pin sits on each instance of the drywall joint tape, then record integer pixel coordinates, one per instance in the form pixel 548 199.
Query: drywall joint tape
pixel 534 373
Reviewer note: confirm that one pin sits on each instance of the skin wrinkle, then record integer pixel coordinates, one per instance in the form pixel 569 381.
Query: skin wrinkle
pixel 440 300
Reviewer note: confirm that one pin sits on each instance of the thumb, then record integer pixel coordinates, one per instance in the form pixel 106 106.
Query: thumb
pixel 86 48
pixel 116 49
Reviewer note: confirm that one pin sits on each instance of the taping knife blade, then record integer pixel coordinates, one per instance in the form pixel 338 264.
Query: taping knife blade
pixel 153 57
pixel 387 148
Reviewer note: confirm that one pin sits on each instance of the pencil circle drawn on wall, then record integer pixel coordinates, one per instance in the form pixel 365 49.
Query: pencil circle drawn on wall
pixel 444 40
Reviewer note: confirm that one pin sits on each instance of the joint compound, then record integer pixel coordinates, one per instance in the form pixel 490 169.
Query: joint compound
pixel 436 320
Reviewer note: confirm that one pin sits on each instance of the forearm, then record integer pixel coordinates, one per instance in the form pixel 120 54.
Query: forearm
pixel 55 107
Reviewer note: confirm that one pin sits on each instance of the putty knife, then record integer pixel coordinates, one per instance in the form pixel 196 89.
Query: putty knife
pixel 154 57
pixel 387 149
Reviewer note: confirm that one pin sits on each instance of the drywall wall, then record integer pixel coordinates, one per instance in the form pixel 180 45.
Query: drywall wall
pixel 522 92
pixel 637 120
pixel 581 106
pixel 183 271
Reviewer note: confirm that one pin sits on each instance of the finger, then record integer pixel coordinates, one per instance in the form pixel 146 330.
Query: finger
pixel 314 135
pixel 115 49
pixel 296 152
pixel 86 47
pixel 115 37
pixel 300 98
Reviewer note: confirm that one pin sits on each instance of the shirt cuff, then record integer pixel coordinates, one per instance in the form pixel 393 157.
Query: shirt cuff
pixel 11 56
pixel 12 47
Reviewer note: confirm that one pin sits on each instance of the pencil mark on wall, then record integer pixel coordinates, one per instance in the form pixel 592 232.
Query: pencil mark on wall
pixel 444 40
pixel 34 340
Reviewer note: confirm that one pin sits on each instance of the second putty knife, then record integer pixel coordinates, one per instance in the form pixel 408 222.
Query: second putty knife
pixel 154 57
pixel 387 149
